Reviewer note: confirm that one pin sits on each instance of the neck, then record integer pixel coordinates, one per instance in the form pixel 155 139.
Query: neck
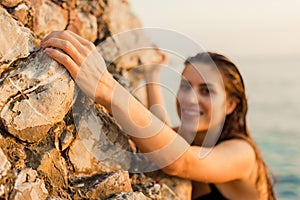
pixel 208 138
pixel 199 138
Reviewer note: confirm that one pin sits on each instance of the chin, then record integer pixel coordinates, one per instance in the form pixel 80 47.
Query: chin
pixel 189 127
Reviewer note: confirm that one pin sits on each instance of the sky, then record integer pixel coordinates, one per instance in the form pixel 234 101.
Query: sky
pixel 235 28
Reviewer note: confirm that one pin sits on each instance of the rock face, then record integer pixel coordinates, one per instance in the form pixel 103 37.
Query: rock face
pixel 4 164
pixel 48 16
pixel 16 40
pixel 26 93
pixel 28 185
pixel 54 142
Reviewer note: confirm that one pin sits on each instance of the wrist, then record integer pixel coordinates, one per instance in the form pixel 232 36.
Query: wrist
pixel 151 76
pixel 105 90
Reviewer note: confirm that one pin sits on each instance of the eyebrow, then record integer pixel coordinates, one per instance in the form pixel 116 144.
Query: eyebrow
pixel 207 85
pixel 184 81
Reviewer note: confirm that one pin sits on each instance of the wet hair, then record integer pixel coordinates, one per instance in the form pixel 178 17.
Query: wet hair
pixel 235 125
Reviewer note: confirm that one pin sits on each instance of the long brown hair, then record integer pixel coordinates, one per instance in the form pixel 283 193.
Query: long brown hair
pixel 235 125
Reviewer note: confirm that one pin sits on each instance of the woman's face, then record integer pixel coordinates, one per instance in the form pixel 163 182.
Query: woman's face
pixel 201 98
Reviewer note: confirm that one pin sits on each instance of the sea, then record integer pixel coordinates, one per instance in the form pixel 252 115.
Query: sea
pixel 273 92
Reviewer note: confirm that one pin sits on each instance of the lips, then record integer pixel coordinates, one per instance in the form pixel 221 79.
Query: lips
pixel 192 112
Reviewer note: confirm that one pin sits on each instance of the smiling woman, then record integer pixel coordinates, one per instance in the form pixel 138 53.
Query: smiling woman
pixel 232 169
pixel 199 92
pixel 212 105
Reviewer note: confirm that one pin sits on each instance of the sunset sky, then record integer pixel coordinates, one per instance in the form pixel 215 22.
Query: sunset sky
pixel 236 28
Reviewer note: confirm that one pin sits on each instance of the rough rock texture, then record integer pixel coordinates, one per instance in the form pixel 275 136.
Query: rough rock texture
pixel 21 12
pixel 172 186
pixel 4 164
pixel 16 41
pixel 85 24
pixel 10 3
pixel 129 196
pixel 25 95
pixel 54 142
pixel 101 146
pixel 47 17
pixel 28 185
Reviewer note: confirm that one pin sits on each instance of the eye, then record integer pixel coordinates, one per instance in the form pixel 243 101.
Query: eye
pixel 184 86
pixel 205 91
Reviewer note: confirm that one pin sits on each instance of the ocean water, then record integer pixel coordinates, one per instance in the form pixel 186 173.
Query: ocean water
pixel 273 87
pixel 273 91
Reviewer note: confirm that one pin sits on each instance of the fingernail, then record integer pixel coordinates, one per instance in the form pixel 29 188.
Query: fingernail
pixel 48 50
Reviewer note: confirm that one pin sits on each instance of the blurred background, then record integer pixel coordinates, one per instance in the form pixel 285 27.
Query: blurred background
pixel 263 39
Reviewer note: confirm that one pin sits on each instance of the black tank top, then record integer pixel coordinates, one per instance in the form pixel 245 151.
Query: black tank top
pixel 215 194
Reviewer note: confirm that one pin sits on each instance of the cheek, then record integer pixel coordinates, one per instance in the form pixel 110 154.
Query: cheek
pixel 181 96
pixel 219 107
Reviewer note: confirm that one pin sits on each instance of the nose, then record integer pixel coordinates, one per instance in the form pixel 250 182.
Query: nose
pixel 191 97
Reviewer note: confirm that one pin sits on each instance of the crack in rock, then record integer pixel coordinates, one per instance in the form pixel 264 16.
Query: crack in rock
pixel 35 97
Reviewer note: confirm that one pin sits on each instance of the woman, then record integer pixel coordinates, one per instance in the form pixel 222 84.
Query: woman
pixel 210 106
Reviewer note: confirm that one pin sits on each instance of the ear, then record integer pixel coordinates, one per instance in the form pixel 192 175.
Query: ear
pixel 231 105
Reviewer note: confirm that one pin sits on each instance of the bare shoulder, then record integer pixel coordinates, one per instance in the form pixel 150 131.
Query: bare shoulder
pixel 242 151
pixel 238 145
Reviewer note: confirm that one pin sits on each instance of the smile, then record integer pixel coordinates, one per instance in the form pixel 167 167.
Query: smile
pixel 190 112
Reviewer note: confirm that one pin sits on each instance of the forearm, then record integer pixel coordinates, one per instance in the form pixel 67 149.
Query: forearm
pixel 154 97
pixel 153 137
pixel 88 69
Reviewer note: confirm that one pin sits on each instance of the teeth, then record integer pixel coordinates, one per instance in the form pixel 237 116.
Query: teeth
pixel 191 112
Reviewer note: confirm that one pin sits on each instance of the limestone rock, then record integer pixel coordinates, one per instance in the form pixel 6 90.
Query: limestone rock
pixel 16 41
pixel 4 164
pixel 181 187
pixel 129 49
pixel 146 185
pixel 101 144
pixel 157 185
pixel 129 196
pixel 14 152
pixel 10 3
pixel 35 97
pixel 115 183
pixel 48 17
pixel 54 166
pixel 2 190
pixel 66 138
pixel 119 16
pixel 101 186
pixel 93 7
pixel 28 186
pixel 83 161
pixel 167 193
pixel 84 24
pixel 54 198
pixel 55 149
pixel 129 46
pixel 21 13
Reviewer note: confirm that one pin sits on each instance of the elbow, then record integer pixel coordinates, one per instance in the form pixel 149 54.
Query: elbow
pixel 174 169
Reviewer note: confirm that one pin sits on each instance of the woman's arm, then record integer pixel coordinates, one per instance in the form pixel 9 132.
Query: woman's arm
pixel 154 96
pixel 227 161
